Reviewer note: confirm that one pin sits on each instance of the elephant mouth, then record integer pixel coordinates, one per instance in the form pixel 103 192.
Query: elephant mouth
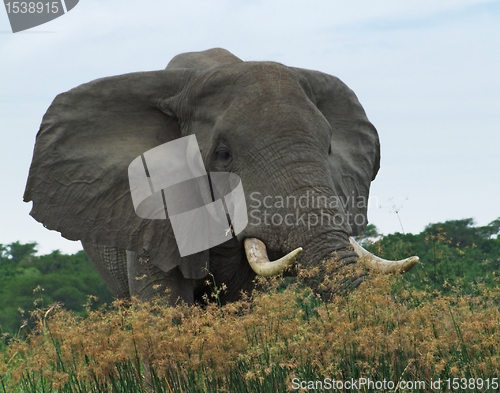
pixel 258 259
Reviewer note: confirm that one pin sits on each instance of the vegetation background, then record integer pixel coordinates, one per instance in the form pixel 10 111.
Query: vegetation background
pixel 440 320
pixel 28 280
pixel 453 254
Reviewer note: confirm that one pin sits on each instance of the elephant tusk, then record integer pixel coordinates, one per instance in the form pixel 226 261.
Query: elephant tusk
pixel 372 262
pixel 259 261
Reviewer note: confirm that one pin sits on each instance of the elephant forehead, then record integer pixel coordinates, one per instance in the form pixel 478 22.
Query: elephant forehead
pixel 272 110
pixel 257 92
pixel 249 80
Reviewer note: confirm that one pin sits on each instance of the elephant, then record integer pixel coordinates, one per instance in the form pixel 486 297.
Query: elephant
pixel 298 140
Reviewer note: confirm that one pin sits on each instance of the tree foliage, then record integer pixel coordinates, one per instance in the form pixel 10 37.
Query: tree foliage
pixel 455 255
pixel 28 280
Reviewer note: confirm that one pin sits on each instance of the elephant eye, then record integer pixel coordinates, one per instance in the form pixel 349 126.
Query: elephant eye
pixel 330 149
pixel 223 154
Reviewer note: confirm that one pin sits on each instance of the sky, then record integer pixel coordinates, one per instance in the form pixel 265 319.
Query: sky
pixel 426 73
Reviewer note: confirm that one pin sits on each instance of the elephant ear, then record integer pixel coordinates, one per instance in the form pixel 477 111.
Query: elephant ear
pixel 355 148
pixel 78 179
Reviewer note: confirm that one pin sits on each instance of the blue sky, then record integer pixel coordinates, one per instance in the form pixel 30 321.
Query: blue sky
pixel 426 73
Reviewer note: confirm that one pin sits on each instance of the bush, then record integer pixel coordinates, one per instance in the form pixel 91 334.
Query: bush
pixel 26 279
pixel 262 345
pixel 453 254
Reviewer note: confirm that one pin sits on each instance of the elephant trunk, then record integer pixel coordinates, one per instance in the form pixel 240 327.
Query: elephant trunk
pixel 307 212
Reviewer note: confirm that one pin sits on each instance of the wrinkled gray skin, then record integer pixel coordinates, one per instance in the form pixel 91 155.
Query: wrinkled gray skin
pixel 285 131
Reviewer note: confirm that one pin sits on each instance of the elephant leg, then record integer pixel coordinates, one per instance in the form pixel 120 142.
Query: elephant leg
pixel 147 280
pixel 111 263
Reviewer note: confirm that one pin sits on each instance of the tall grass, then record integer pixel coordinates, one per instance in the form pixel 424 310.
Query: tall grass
pixel 384 330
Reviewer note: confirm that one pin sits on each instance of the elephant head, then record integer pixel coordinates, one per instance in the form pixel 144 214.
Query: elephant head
pixel 298 139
